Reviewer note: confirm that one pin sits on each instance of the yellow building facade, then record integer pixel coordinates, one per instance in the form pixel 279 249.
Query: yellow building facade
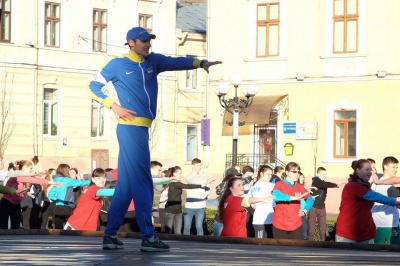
pixel 335 61
pixel 48 57
pixel 326 74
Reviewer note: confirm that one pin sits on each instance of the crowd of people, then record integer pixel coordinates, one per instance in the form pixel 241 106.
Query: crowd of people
pixel 274 203
pixel 46 199
pixel 62 198
pixel 278 204
pixel 271 203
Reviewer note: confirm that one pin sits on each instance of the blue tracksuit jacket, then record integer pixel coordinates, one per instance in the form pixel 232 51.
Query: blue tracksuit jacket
pixel 135 82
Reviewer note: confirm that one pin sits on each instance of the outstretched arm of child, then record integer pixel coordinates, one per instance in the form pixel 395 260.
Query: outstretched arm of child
pixel 247 201
pixel 279 196
pixel 7 190
pixel 389 181
pixel 105 192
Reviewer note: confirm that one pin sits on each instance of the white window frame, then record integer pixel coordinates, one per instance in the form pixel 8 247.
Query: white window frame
pixel 106 115
pixel 144 20
pixel 193 74
pixel 50 102
pixel 197 155
pixel 193 84
pixel 330 118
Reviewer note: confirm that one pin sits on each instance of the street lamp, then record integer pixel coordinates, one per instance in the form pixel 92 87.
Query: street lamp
pixel 235 107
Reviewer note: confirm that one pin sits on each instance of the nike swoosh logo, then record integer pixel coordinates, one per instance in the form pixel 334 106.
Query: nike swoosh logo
pixel 130 72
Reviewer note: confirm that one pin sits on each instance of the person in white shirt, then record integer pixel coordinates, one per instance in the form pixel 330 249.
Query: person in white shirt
pixel 161 206
pixel 37 166
pixel 196 199
pixel 264 212
pixel 386 217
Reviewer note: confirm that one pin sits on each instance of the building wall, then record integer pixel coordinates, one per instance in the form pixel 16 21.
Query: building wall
pixel 190 103
pixel 27 69
pixel 331 81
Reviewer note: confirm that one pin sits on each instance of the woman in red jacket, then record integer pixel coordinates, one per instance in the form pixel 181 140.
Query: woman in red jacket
pixel 232 208
pixel 287 223
pixel 87 212
pixel 355 223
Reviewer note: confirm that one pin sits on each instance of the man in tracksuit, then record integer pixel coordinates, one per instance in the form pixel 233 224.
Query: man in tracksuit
pixel 134 76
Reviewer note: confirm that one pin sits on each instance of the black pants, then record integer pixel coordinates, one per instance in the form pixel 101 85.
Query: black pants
pixel 62 214
pixel 263 230
pixel 36 216
pixel 12 211
pixel 103 221
pixel 130 223
pixel 283 234
pixel 48 209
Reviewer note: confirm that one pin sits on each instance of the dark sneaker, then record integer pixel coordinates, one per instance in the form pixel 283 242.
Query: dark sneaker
pixel 156 245
pixel 112 243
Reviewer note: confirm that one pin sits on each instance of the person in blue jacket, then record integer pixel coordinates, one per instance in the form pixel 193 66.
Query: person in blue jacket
pixel 134 76
pixel 63 196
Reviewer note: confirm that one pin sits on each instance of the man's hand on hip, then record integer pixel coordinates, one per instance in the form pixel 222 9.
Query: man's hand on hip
pixel 122 112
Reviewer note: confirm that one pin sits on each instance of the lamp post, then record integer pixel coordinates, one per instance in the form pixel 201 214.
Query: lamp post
pixel 235 107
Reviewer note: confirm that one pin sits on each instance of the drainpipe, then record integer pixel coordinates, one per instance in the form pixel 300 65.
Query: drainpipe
pixel 35 86
pixel 207 148
pixel 175 117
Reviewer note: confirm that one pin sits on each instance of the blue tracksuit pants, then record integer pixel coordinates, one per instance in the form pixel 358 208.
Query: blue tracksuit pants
pixel 134 180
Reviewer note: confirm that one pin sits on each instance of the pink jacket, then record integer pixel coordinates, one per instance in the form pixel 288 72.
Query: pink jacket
pixel 19 183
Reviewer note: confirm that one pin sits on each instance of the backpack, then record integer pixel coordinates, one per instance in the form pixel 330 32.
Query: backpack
pixel 107 200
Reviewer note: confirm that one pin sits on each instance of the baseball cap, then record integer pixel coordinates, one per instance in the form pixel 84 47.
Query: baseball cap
pixel 232 171
pixel 139 33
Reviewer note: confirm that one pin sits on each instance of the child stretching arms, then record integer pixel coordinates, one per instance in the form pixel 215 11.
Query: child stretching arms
pixel 87 212
pixel 10 207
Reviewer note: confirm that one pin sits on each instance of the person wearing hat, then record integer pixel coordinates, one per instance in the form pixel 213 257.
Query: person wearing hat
pixel 134 76
pixel 233 170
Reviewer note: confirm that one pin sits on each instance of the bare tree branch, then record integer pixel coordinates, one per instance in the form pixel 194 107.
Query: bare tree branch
pixel 154 130
pixel 7 118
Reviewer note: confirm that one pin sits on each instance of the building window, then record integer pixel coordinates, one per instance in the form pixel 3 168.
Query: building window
pixel 98 120
pixel 51 112
pixel 52 24
pixel 191 77
pixel 146 21
pixel 345 26
pixel 5 21
pixel 268 23
pixel 191 142
pixel 344 135
pixel 99 30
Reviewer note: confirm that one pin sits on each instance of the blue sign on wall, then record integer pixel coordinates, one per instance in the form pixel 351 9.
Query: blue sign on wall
pixel 289 128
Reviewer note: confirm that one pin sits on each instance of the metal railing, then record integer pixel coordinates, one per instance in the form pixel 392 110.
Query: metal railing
pixel 254 160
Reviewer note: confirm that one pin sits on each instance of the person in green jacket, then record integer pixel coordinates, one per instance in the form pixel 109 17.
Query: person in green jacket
pixel 10 190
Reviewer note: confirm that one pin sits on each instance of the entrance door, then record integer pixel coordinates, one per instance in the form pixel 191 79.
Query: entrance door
pixel 99 159
pixel 265 144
